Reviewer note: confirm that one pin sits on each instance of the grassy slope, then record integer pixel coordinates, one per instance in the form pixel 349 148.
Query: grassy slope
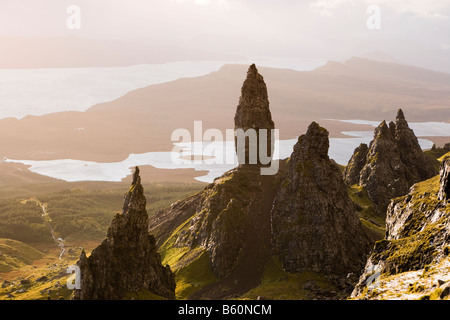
pixel 81 217
pixel 15 254
pixel 78 214
pixel 374 225
pixel 411 272
pixel 417 247
pixel 277 284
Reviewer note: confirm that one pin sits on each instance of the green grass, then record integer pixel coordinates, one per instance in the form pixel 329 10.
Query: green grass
pixel 194 276
pixel 278 284
pixel 436 153
pixel 170 253
pixel 367 215
pixel 444 156
pixel 78 214
pixel 15 254
pixel 53 289
pixel 416 246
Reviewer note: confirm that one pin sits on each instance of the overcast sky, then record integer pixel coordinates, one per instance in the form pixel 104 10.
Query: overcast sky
pixel 332 29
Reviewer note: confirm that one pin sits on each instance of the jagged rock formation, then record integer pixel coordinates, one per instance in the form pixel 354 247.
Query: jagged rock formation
pixel 417 237
pixel 127 260
pixel 229 220
pixel 311 225
pixel 253 113
pixel 314 222
pixel 217 218
pixel 393 163
pixel 356 164
pixel 444 189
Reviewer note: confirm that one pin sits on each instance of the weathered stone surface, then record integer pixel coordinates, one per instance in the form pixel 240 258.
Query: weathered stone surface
pixel 303 214
pixel 417 231
pixel 393 163
pixel 445 291
pixel 314 223
pixel 127 261
pixel 444 189
pixel 230 218
pixel 355 165
pixel 253 113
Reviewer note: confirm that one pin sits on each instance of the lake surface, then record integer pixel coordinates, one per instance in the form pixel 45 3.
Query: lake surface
pixel 341 150
pixel 41 91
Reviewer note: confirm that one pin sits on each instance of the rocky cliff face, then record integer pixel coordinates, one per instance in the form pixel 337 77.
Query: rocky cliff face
pixel 230 221
pixel 244 221
pixel 230 218
pixel 356 164
pixel 392 164
pixel 416 246
pixel 127 260
pixel 253 113
pixel 444 189
pixel 314 223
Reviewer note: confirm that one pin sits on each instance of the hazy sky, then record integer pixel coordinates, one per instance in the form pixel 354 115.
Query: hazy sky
pixel 408 29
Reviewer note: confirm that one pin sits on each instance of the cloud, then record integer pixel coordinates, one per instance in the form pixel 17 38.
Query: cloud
pixel 327 7
pixel 430 9
pixel 220 3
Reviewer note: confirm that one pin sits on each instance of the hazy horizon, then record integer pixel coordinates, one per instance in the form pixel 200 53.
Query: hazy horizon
pixel 405 31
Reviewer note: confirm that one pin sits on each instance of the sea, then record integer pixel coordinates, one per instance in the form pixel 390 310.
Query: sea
pixel 42 91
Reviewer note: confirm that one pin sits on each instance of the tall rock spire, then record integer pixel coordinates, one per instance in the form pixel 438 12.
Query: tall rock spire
pixel 393 163
pixel 253 113
pixel 314 223
pixel 127 260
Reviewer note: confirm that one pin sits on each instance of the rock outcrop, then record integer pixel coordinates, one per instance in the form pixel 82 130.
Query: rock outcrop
pixel 127 260
pixel 253 113
pixel 417 234
pixel 244 221
pixel 314 223
pixel 230 221
pixel 230 218
pixel 444 189
pixel 356 164
pixel 393 163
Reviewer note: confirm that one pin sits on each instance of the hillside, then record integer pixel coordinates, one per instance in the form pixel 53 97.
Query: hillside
pixel 80 215
pixel 15 254
pixel 413 261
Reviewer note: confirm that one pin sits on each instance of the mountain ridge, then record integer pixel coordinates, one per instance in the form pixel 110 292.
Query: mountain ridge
pixel 297 96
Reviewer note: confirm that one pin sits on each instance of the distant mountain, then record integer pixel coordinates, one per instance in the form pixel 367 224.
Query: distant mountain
pixel 380 56
pixel 75 52
pixel 144 119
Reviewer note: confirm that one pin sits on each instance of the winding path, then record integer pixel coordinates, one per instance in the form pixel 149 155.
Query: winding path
pixel 59 241
pixel 48 220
